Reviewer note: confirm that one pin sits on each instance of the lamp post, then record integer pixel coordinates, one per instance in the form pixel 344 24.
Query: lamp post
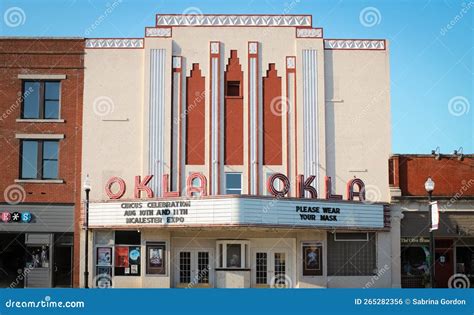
pixel 87 189
pixel 429 186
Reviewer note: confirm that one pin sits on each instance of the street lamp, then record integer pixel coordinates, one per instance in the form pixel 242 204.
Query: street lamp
pixel 87 189
pixel 429 186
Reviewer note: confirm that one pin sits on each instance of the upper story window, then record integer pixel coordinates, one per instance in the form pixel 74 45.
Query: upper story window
pixel 233 183
pixel 41 99
pixel 39 159
pixel 233 88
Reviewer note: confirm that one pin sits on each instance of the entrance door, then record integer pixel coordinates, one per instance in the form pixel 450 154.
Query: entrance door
pixel 271 268
pixel 444 267
pixel 193 268
pixel 63 266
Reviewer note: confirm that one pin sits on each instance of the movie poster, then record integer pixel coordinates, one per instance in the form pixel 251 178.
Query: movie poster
pixel 104 256
pixel 156 258
pixel 312 259
pixel 121 256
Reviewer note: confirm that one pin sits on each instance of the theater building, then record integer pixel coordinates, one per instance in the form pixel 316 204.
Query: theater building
pixel 41 84
pixel 454 239
pixel 238 151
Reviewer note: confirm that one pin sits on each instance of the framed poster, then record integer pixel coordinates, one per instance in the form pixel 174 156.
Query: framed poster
pixel 312 259
pixel 104 256
pixel 156 258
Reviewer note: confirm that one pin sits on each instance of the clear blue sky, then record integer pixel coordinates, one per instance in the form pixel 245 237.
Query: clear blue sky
pixel 431 64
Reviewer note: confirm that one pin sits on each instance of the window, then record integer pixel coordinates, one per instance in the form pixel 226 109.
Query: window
pixel 40 100
pixel 351 257
pixel 233 183
pixel 39 159
pixel 127 253
pixel 232 254
pixel 261 268
pixel 351 237
pixel 184 267
pixel 156 258
pixel 233 88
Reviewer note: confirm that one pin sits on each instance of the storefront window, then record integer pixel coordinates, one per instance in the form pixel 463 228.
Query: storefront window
pixel 348 255
pixel 232 254
pixel 414 257
pixel 465 262
pixel 127 253
pixel 38 257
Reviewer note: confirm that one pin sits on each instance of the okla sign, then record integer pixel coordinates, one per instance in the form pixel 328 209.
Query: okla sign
pixel 355 190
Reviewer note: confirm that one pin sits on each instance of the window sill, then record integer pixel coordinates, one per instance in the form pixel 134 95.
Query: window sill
pixel 39 181
pixel 234 97
pixel 233 269
pixel 26 120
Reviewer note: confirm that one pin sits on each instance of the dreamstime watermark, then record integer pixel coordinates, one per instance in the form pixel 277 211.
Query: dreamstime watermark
pixel 202 277
pixel 279 105
pixel 103 106
pixel 370 16
pixel 21 276
pixel 281 281
pixel 17 103
pixel 199 97
pixel 458 106
pixel 14 17
pixel 103 281
pixel 372 194
pixel 458 17
pixel 191 13
pixel 459 281
pixel 376 277
pixel 47 302
pixel 107 12
pixel 14 194
pixel 465 186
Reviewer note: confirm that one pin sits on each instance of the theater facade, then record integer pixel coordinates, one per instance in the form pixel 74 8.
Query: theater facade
pixel 238 151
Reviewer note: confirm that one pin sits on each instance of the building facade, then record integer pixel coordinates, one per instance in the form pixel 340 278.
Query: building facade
pixel 41 83
pixel 238 151
pixel 454 239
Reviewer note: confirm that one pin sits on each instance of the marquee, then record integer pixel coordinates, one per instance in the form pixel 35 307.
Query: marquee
pixel 237 211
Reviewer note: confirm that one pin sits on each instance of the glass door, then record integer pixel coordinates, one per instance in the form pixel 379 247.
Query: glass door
pixel 271 269
pixel 193 268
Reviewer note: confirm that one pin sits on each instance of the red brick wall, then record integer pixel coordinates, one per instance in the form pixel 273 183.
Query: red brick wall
pixel 273 105
pixel 43 56
pixel 195 117
pixel 234 115
pixel 451 176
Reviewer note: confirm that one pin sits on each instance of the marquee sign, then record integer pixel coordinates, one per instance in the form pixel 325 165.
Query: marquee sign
pixel 237 211
pixel 116 187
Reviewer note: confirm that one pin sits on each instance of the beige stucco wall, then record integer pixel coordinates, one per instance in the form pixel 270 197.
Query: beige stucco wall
pixel 358 125
pixel 112 137
pixel 353 127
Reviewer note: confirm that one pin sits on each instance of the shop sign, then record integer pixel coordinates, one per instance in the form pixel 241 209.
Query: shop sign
pixel 414 240
pixel 18 217
pixel 116 187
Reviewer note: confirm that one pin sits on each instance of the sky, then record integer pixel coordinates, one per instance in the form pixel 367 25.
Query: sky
pixel 430 41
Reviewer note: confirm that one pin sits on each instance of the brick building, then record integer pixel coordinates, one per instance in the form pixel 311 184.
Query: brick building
pixel 41 88
pixel 454 239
